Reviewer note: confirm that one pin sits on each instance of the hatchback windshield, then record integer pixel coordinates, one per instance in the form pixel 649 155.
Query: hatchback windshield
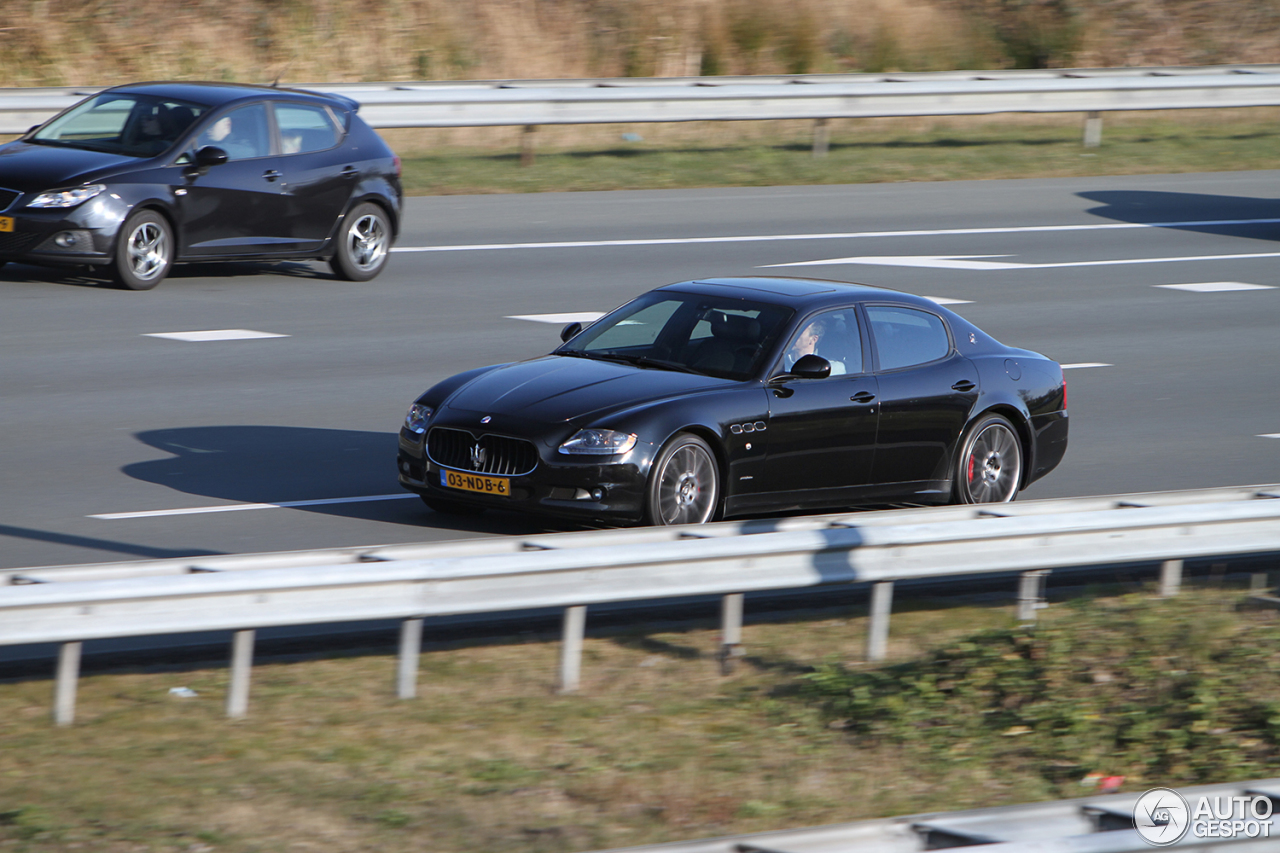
pixel 712 335
pixel 133 125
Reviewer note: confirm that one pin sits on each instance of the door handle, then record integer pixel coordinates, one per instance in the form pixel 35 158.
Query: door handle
pixel 862 397
pixel 271 175
pixel 963 385
pixel 350 171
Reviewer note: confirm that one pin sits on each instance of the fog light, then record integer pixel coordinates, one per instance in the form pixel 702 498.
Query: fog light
pixel 597 495
pixel 65 240
pixel 404 466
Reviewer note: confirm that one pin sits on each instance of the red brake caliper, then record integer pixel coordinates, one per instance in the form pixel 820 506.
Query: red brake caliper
pixel 970 467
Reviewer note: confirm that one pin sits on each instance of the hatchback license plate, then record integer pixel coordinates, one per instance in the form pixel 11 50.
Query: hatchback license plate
pixel 500 486
pixel 6 223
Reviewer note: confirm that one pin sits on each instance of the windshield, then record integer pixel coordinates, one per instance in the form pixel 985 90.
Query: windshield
pixel 133 125
pixel 712 335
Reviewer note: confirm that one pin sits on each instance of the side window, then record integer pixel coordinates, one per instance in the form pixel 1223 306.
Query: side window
pixel 832 335
pixel 907 336
pixel 304 128
pixel 241 133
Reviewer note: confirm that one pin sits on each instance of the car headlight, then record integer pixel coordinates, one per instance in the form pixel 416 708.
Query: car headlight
pixel 66 198
pixel 599 442
pixel 416 420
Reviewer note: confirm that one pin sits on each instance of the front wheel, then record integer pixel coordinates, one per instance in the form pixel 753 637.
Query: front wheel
pixel 145 251
pixel 364 242
pixel 989 465
pixel 684 484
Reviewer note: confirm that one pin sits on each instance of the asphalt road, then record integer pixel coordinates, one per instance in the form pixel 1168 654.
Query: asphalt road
pixel 99 418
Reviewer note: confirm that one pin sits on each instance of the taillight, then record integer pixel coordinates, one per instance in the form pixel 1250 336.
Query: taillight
pixel 395 160
pixel 1064 393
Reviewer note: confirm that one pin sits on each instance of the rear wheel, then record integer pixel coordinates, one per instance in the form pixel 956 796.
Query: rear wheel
pixel 448 507
pixel 684 483
pixel 989 465
pixel 145 251
pixel 363 244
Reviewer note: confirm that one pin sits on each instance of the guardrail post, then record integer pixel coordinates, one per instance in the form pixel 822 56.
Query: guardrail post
pixel 526 144
pixel 407 663
pixel 821 137
pixel 1259 582
pixel 1170 578
pixel 241 664
pixel 1031 594
pixel 64 696
pixel 730 631
pixel 1092 129
pixel 575 624
pixel 878 629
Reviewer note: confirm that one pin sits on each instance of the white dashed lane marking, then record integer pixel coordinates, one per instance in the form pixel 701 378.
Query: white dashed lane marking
pixel 1084 364
pixel 214 335
pixel 571 317
pixel 945 300
pixel 205 510
pixel 972 262
pixel 1270 435
pixel 1215 286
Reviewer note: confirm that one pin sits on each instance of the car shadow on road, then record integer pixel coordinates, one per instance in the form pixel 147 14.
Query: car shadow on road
pixel 275 464
pixel 1236 216
pixel 100 277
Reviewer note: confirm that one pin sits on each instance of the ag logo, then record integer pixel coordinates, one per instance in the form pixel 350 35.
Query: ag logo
pixel 1161 816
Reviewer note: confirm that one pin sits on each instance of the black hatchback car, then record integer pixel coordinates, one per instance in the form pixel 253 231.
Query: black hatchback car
pixel 738 396
pixel 138 178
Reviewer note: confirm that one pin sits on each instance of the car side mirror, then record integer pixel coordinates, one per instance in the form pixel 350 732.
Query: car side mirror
pixel 808 367
pixel 570 330
pixel 210 155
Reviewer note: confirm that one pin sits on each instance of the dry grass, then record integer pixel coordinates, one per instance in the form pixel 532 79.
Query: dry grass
pixel 103 42
pixel 656 747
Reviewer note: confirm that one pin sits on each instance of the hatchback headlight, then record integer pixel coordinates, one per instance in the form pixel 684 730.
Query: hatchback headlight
pixel 66 198
pixel 598 442
pixel 416 420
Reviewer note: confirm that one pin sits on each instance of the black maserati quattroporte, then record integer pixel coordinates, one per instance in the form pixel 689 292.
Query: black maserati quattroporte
pixel 735 396
pixel 138 178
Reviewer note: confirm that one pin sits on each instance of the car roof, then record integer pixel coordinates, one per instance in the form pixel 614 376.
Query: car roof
pixel 799 293
pixel 217 94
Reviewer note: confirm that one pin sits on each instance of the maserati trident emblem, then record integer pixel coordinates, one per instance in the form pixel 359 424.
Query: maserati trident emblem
pixel 478 457
pixel 486 419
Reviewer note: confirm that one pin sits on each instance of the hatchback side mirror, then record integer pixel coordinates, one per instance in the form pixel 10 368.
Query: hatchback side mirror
pixel 210 155
pixel 570 330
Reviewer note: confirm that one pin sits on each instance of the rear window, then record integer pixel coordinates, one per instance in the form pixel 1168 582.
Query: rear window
pixel 304 128
pixel 907 336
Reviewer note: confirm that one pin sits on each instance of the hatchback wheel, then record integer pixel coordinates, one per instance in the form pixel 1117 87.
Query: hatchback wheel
pixel 684 484
pixel 363 244
pixel 145 251
pixel 989 465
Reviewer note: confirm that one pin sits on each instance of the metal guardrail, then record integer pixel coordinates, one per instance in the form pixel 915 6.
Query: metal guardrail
pixel 616 566
pixel 1098 824
pixel 818 97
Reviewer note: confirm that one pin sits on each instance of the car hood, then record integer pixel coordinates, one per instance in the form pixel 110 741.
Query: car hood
pixel 565 388
pixel 27 167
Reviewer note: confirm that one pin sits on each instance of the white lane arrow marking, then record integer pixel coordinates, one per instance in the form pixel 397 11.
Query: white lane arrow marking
pixel 964 262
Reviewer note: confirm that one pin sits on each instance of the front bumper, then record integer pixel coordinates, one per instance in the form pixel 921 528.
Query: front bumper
pixel 607 488
pixel 90 230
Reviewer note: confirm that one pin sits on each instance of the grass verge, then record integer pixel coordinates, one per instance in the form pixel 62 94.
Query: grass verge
pixel 657 747
pixel 487 160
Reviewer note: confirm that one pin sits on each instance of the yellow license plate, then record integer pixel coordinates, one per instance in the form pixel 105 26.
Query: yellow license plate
pixel 500 486
pixel 6 223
